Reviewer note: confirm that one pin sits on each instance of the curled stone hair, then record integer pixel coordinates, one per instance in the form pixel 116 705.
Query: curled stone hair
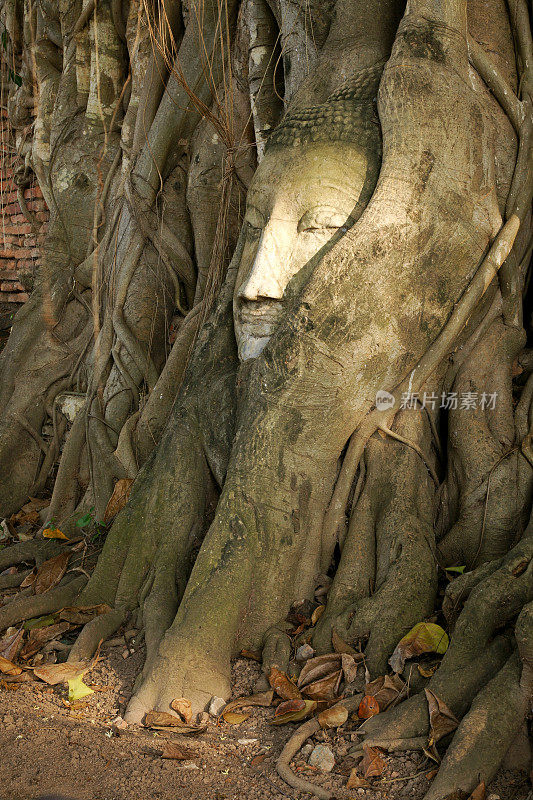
pixel 346 116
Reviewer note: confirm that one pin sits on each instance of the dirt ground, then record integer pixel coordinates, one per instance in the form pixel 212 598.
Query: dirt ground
pixel 48 748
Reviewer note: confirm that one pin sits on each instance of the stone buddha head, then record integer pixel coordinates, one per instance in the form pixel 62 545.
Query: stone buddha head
pixel 316 177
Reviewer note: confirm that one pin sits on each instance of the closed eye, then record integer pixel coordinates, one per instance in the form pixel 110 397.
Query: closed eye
pixel 323 218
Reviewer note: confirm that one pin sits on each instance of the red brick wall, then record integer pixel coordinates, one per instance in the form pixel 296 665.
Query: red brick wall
pixel 19 250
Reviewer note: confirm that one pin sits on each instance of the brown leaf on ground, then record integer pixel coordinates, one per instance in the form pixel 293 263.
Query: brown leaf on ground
pixel 325 688
pixel 368 707
pixel 256 760
pixel 118 499
pixel 333 717
pixel 263 699
pixel 183 707
pixel 59 673
pixel 385 690
pixel 309 708
pixel 54 533
pixel 8 668
pixel 442 720
pixel 479 792
pixel 349 667
pixel 29 579
pixel 372 764
pixel 39 636
pixel 176 751
pixel 11 645
pixel 234 718
pixel 162 719
pixel 355 781
pixel 427 671
pixel 317 613
pixel 340 646
pixel 79 615
pixel 182 728
pixel 318 667
pixel 281 684
pixel 50 573
pixel 289 707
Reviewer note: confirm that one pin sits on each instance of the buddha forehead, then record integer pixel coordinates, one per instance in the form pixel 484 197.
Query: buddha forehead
pixel 289 178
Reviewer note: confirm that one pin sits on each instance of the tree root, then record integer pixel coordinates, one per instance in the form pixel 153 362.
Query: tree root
pixel 23 608
pixel 485 734
pixel 101 627
pixel 296 741
pixel 25 552
pixel 393 745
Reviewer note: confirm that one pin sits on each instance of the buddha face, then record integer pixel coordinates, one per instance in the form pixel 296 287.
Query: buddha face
pixel 298 199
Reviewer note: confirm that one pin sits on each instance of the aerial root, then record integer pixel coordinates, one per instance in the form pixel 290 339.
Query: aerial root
pixel 23 608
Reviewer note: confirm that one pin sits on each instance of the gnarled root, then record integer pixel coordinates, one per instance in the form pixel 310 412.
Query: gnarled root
pixel 22 608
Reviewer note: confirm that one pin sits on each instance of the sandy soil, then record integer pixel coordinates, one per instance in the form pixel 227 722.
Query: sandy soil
pixel 48 748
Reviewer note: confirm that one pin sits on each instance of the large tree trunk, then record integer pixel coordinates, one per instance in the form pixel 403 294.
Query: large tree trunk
pixel 384 248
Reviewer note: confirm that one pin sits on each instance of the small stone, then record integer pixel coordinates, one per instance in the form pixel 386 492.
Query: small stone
pixel 360 791
pixel 304 652
pixel 247 741
pixel 493 797
pixel 306 750
pixel 119 724
pixel 189 765
pixel 216 705
pixel 8 719
pixel 322 757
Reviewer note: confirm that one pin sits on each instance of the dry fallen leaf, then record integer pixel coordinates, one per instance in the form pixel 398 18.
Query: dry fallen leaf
pixel 50 573
pixel 427 671
pixel 385 690
pixel 8 668
pixel 260 699
pixel 325 688
pixel 281 684
pixel 319 667
pixel 256 760
pixel 442 720
pixel 182 728
pixel 296 716
pixel 39 636
pixel 29 579
pixel 479 792
pixel 289 707
pixel 11 644
pixel 183 707
pixel 79 615
pixel 317 613
pixel 162 719
pixel 118 499
pixel 349 667
pixel 176 751
pixel 355 781
pixel 77 689
pixel 233 717
pixel 54 533
pixel 425 637
pixel 368 707
pixel 372 764
pixel 333 717
pixel 340 646
pixel 59 673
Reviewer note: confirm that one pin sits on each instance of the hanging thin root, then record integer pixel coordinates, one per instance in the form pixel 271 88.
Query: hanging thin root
pixel 23 608
pixel 297 740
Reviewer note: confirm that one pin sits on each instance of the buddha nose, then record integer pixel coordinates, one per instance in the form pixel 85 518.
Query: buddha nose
pixel 264 281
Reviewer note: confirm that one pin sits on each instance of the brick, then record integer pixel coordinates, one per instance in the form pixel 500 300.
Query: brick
pixel 11 286
pixel 18 252
pixel 42 216
pixel 20 297
pixel 7 263
pixel 22 229
pixel 7 274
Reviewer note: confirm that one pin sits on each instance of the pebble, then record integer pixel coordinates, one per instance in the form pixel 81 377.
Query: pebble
pixel 307 749
pixel 247 741
pixel 304 652
pixel 322 757
pixel 216 705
